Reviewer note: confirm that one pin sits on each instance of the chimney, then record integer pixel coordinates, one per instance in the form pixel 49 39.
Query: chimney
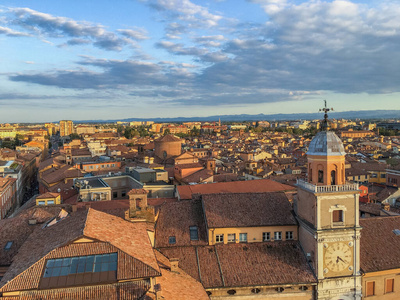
pixel 385 206
pixel 151 160
pixel 174 264
pixel 74 207
pixel 146 160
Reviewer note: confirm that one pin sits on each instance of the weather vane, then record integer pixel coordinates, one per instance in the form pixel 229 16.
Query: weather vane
pixel 325 125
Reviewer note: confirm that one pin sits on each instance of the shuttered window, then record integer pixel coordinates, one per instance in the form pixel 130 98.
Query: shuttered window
pixel 370 288
pixel 389 285
pixel 337 216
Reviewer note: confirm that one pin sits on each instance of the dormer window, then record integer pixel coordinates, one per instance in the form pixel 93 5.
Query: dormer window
pixel 8 246
pixel 194 233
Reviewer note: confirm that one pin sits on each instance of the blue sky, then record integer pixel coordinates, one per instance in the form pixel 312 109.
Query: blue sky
pixel 109 59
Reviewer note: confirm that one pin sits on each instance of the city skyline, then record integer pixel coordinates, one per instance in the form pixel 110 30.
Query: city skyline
pixel 158 58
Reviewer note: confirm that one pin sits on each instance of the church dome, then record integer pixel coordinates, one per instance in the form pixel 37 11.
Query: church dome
pixel 326 143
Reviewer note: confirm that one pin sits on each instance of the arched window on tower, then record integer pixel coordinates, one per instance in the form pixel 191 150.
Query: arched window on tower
pixel 320 176
pixel 333 177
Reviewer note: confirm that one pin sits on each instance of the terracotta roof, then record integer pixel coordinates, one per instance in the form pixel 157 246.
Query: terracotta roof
pixel 4 182
pixel 250 209
pixel 250 186
pixel 169 138
pixel 54 175
pixel 17 230
pixel 178 285
pixel 272 263
pixel 122 290
pixel 380 246
pixel 48 195
pixel 198 176
pixel 92 224
pixel 175 219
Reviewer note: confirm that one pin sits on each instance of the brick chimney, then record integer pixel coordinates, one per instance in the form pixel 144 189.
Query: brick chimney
pixel 137 201
pixel 174 264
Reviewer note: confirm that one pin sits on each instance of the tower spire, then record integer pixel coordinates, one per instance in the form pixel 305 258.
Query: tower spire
pixel 325 123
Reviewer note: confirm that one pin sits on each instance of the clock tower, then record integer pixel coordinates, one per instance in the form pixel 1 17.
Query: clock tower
pixel 327 209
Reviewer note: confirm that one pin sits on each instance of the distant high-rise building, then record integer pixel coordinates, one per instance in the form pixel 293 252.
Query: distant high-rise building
pixel 66 127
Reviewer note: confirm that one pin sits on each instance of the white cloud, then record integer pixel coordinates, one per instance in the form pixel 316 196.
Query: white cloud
pixel 77 33
pixel 10 32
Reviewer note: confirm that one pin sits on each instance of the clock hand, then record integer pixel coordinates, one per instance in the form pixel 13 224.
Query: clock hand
pixel 341 259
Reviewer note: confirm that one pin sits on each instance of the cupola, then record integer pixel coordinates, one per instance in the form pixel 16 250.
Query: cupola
pixel 326 157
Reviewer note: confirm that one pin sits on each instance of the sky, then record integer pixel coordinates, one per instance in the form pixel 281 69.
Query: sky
pixel 107 59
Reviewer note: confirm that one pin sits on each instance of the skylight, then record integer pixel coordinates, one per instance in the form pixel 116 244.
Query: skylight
pixel 8 246
pixel 396 231
pixel 76 270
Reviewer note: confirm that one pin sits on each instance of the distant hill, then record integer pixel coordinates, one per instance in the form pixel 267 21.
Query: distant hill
pixel 363 114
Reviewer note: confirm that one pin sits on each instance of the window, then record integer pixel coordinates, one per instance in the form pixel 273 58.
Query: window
pixel 71 271
pixel 123 193
pixel 194 233
pixel 219 238
pixel 172 240
pixel 41 202
pixel 289 235
pixel 383 175
pixel 320 176
pixel 231 237
pixel 50 202
pixel 333 177
pixel 337 216
pixel 115 195
pixel 8 246
pixel 389 285
pixel 266 236
pixel 243 237
pixel 370 288
pixel 278 235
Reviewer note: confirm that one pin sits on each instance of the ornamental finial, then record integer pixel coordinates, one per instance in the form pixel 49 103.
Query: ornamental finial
pixel 325 124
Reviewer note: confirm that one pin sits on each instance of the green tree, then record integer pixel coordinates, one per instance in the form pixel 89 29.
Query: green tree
pixel 120 128
pixel 167 131
pixel 128 133
pixel 195 131
pixel 74 136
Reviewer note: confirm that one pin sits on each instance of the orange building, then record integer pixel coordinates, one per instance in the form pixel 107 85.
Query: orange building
pixel 356 134
pixel 97 166
pixel 8 195
pixel 66 127
pixel 168 146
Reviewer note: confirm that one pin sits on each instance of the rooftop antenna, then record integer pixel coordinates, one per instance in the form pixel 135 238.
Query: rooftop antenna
pixel 325 124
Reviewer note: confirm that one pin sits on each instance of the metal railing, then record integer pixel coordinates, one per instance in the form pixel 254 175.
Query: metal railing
pixel 327 188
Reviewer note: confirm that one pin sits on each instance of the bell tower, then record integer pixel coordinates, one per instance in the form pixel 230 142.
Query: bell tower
pixel 327 210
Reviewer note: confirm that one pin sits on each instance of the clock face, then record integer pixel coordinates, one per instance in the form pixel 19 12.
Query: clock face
pixel 338 257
